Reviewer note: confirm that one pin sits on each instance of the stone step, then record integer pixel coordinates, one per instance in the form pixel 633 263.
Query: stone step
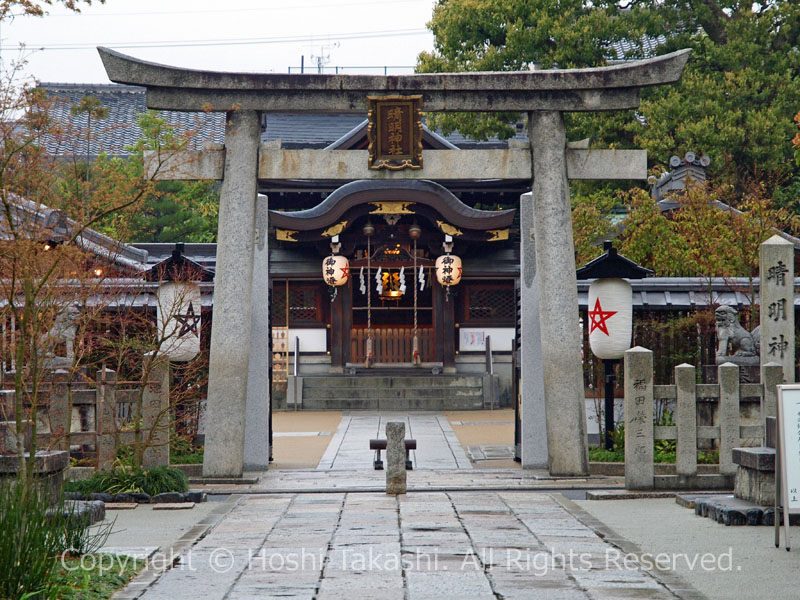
pixel 366 382
pixel 366 393
pixel 379 403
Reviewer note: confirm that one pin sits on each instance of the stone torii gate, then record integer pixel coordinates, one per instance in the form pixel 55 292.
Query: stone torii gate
pixel 236 435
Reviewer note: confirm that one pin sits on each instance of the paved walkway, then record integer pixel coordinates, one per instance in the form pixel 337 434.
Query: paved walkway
pixel 433 545
pixel 437 444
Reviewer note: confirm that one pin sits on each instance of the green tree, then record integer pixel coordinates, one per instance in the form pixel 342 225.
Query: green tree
pixel 592 223
pixel 735 101
pixel 649 238
pixel 179 211
pixel 169 211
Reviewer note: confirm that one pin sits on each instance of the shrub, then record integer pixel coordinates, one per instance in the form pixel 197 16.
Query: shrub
pixel 34 537
pixel 192 458
pixel 182 451
pixel 30 543
pixel 124 479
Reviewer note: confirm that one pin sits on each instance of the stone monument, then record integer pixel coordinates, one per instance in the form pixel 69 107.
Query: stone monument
pixel 776 290
pixel 395 457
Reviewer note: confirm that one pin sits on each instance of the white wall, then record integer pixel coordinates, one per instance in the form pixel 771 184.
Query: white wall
pixel 311 340
pixel 473 339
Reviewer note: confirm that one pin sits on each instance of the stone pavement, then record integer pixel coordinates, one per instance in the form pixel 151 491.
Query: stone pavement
pixel 437 444
pixel 419 480
pixel 465 545
pixel 722 563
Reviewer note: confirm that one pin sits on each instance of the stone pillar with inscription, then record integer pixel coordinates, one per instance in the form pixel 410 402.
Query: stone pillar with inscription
pixel 639 469
pixel 395 457
pixel 776 291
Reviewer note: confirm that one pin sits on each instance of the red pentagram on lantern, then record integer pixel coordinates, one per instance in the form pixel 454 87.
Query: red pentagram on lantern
pixel 598 317
pixel 345 272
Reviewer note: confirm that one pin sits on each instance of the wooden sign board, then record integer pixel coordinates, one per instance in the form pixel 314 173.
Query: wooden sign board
pixel 394 132
pixel 787 463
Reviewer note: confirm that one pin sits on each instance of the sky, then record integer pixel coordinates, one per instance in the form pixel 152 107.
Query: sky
pixel 235 35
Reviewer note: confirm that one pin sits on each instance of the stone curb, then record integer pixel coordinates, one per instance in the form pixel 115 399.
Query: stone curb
pixel 148 576
pixel 673 582
pixel 411 489
pixel 636 495
pixel 731 511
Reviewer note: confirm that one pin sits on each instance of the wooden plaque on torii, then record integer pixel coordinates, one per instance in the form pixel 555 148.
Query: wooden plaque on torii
pixel 394 132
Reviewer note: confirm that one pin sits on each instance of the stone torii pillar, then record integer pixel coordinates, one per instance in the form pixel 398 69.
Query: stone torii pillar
pixel 558 296
pixel 545 95
pixel 233 285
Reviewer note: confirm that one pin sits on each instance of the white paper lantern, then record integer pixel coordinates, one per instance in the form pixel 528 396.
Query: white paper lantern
pixel 335 270
pixel 179 319
pixel 610 317
pixel 448 270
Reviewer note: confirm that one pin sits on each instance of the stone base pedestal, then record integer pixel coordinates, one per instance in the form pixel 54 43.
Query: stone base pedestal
pixel 749 369
pixel 48 469
pixel 755 476
pixel 8 437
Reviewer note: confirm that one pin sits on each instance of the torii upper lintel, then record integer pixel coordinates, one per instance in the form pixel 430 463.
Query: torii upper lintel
pixel 594 89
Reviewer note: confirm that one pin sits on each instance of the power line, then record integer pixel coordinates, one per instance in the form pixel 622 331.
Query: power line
pixel 293 6
pixel 227 42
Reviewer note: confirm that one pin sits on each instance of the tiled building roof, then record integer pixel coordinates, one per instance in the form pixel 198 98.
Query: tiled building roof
pixel 40 221
pixel 623 49
pixel 119 130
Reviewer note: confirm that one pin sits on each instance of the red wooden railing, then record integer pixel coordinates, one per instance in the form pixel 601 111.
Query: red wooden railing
pixel 392 344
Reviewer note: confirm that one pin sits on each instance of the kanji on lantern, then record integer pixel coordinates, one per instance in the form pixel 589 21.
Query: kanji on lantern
pixel 335 270
pixel 448 270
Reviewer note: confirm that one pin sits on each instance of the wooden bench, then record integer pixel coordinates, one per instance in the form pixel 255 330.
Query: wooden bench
pixel 379 445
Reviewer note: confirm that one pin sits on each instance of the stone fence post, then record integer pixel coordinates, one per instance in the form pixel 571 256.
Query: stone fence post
pixel 728 377
pixel 106 415
pixel 639 470
pixel 686 420
pixel 59 410
pixel 155 415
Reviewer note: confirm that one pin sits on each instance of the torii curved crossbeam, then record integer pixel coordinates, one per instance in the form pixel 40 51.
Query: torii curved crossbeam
pixel 603 88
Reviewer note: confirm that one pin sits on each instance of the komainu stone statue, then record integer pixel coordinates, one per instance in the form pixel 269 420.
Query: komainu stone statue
pixel 735 343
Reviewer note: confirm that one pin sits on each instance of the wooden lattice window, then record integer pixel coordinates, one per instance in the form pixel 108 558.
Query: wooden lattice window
pixel 305 305
pixel 489 304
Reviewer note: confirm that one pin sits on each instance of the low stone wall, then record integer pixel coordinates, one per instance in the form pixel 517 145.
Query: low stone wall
pixel 730 431
pixel 48 469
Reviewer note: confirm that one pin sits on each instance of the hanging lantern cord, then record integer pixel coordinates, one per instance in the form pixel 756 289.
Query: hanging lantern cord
pixel 368 359
pixel 415 357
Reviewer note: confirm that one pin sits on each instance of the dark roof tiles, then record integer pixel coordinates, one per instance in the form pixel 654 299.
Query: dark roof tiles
pixel 125 103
